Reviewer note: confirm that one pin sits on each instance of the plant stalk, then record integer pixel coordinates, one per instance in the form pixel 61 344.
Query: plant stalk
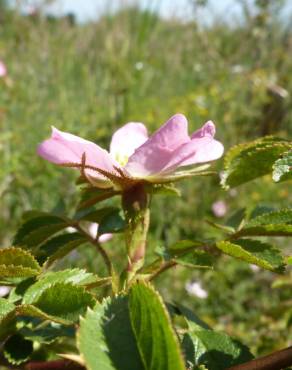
pixel 136 202
pixel 275 361
pixel 97 245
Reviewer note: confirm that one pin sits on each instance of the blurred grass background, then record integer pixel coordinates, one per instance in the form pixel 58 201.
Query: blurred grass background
pixel 132 65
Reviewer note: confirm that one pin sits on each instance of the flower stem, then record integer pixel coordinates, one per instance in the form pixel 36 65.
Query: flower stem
pixel 275 361
pixel 136 202
pixel 97 245
pixel 165 266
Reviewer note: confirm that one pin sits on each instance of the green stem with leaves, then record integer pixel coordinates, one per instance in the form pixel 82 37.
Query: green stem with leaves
pixel 136 202
pixel 96 244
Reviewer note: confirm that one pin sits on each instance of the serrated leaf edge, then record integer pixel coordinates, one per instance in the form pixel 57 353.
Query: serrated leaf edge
pixel 147 284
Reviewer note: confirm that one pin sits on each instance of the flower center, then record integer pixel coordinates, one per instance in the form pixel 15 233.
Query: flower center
pixel 122 158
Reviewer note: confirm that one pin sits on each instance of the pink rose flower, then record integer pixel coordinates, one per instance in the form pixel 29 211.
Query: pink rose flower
pixel 3 69
pixel 92 229
pixel 219 208
pixel 133 156
pixel 195 288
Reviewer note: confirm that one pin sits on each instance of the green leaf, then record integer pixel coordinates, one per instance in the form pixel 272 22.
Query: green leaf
pixel 17 349
pixel 106 339
pixel 223 228
pixel 7 322
pixel 36 329
pixel 178 249
pixel 74 276
pixel 16 262
pixel 5 308
pixel 16 294
pixel 266 230
pixel 283 216
pixel 178 309
pixel 254 251
pixel 246 162
pixel 58 247
pixel 33 311
pixel 91 195
pixel 235 220
pixel 276 223
pixel 186 253
pixel 282 168
pixel 94 215
pixel 164 189
pixel 259 211
pixel 215 350
pixel 112 223
pixel 157 342
pixel 38 229
pixel 196 259
pixel 65 301
pixel 33 213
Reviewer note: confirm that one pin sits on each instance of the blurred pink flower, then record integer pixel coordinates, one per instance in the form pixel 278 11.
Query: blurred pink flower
pixel 4 290
pixel 254 268
pixel 195 288
pixel 134 156
pixel 3 69
pixel 92 229
pixel 219 208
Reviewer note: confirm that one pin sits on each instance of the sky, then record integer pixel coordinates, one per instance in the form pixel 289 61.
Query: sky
pixel 91 9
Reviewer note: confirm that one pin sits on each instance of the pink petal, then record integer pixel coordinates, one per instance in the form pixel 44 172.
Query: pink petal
pixel 105 238
pixel 196 151
pixel 208 129
pixel 3 69
pixel 202 148
pixel 64 148
pixel 219 208
pixel 127 139
pixel 155 153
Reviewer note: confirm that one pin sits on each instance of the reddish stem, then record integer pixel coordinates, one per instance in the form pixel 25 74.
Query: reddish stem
pixel 54 365
pixel 275 361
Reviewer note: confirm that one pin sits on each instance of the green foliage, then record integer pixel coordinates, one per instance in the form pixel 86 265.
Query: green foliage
pixel 17 349
pixel 185 253
pixel 282 168
pixel 217 351
pixel 94 215
pixel 133 84
pixel 181 247
pixel 36 230
pixel 65 301
pixel 163 189
pixel 152 327
pixel 74 277
pixel 282 216
pixel 106 339
pixel 5 308
pixel 16 262
pixel 7 323
pixel 91 195
pixel 43 332
pixel 113 222
pixel 58 247
pixel 248 161
pixel 276 223
pixel 254 251
pixel 33 311
pixel 196 259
